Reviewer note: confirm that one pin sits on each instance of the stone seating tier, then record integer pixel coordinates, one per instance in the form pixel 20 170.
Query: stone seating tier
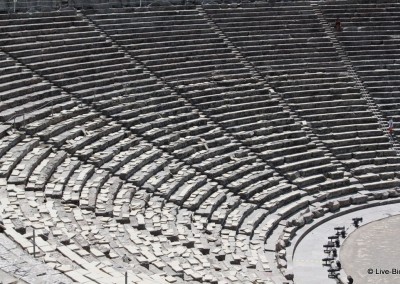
pixel 41 119
pixel 24 169
pixel 159 43
pixel 33 24
pixel 167 61
pixel 11 158
pixel 64 121
pixel 11 89
pixel 80 67
pixel 68 133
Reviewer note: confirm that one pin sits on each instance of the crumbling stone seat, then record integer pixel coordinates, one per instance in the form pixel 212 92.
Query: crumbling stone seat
pixel 168 188
pixel 356 140
pixel 134 165
pixel 282 144
pixel 197 198
pixel 236 217
pixel 181 147
pixel 372 168
pixel 112 98
pixel 73 188
pixel 149 170
pixel 382 184
pixel 106 196
pixel 215 151
pixel 180 196
pixel 244 182
pixel 338 122
pixel 231 203
pixel 25 167
pixel 69 133
pixel 207 208
pixel 127 111
pixel 61 175
pixel 270 193
pixel 88 195
pixel 246 112
pixel 124 157
pixel 360 147
pixel 282 200
pixel 102 143
pixel 9 140
pixel 11 158
pixel 64 121
pixel 252 221
pixel 43 171
pixel 214 169
pixel 50 97
pixel 355 134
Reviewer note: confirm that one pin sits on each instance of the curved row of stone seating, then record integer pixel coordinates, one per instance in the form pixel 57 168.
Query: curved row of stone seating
pixel 369 38
pixel 320 91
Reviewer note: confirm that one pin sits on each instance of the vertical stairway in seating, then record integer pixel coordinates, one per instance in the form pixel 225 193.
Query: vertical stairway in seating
pixel 372 106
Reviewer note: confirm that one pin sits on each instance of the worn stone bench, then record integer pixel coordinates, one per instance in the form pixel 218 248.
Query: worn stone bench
pixel 72 190
pixel 63 123
pixel 25 167
pixel 134 165
pixel 119 160
pixel 61 175
pixel 11 158
pixel 199 196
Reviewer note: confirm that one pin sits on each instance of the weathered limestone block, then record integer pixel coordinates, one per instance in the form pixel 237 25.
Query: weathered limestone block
pixel 359 199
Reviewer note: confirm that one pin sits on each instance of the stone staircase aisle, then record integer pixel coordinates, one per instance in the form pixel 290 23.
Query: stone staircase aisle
pixel 347 63
pixel 231 46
